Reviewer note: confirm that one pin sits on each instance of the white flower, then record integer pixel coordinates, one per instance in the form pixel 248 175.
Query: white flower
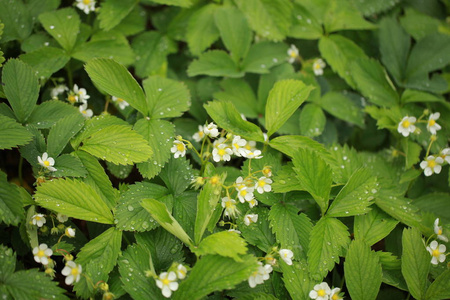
pixel 286 255
pixel 263 185
pixel 437 252
pixel 250 218
pixel 432 126
pixel 62 218
pixel 320 292
pixel 179 149
pixel 335 294
pixel 234 230
pixel 438 231
pixel 267 171
pixel 445 154
pixel 42 254
pixel 81 93
pixel 72 271
pixel 38 220
pixel 238 145
pixel 222 152
pixel 57 90
pixel 292 53
pixel 432 165
pixel 260 275
pixel 122 103
pixel 211 130
pixel 47 162
pixel 70 232
pixel 230 207
pixel 245 194
pixel 256 154
pixel 86 5
pixel 406 125
pixel 199 135
pixel 240 184
pixel 318 67
pixel 87 113
pixel 252 203
pixel 181 271
pixel 166 282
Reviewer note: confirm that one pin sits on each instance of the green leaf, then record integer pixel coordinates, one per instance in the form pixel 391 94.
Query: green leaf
pixel 312 120
pixel 440 288
pixel 166 98
pixel 207 202
pixel 202 31
pixel 410 175
pixel 75 199
pixel 130 215
pixel 394 47
pixel 224 243
pixel 68 165
pixel 362 271
pixel 258 233
pixel 185 210
pixel 113 144
pixel 436 203
pixel 342 107
pixel 97 258
pixel 97 178
pixel 21 88
pixel 268 17
pixel 264 55
pixel 398 207
pixel 415 262
pixel 115 79
pixel 16 17
pixel 214 63
pixel 226 116
pixel 12 134
pixel 340 52
pixel 296 279
pixel 133 264
pixel 7 262
pixel 412 96
pixel 159 135
pixel 373 226
pixel 234 31
pixel 61 133
pixel 373 82
pixel 240 93
pixel 152 49
pixel 328 240
pixel 133 23
pixel 289 145
pixel 291 229
pixel 46 114
pixel 356 196
pixel 63 25
pixel 215 273
pixel 419 25
pixel 305 25
pixel 114 11
pixel 158 211
pixel 429 54
pixel 119 171
pixel 177 174
pixel 182 3
pixel 46 60
pixel 341 15
pixel 412 151
pixel 10 206
pixel 314 175
pixel 369 7
pixel 284 99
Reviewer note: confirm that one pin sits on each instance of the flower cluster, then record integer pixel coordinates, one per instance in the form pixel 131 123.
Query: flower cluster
pixel 322 291
pixel 436 250
pixel 260 275
pixel 408 124
pixel 168 281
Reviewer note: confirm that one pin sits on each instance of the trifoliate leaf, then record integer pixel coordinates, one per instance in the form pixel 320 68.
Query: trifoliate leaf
pixel 416 262
pixel 328 240
pixel 215 273
pixel 21 88
pixel 113 144
pixel 113 11
pixel 201 30
pixel 61 133
pixel 12 134
pixel 291 229
pixel 214 63
pixel 46 60
pixel 362 271
pixel 296 279
pixel 373 226
pixel 75 199
pixel 223 243
pixel 284 99
pixel 10 208
pixel 312 120
pixel 63 25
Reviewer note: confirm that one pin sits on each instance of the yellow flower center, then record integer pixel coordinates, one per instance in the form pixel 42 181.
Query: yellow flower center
pixel 236 145
pixel 41 253
pixel 406 124
pixel 261 183
pixel 228 204
pixel 165 281
pixel 266 171
pixel 75 272
pixel 119 100
pixel 215 180
pixel 37 218
pixel 316 66
pixel 182 272
pixel 293 54
pixel 285 255
pixel 201 134
pixel 436 253
pixel 243 193
pixel 335 297
pixel 439 232
pixel 431 163
pixel 321 293
pixel 180 147
pixel 248 147
pixel 87 2
pixel 221 152
pixel 84 112
pixel 72 99
pixel 46 163
pixel 431 122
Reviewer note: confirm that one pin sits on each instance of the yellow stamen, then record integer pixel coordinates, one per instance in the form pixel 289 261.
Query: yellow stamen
pixel 335 297
pixel 439 232
pixel 46 163
pixel 165 281
pixel 406 124
pixel 221 152
pixel 87 2
pixel 236 145
pixel 321 293
pixel 41 253
pixel 261 183
pixel 436 253
pixel 72 99
pixel 37 218
pixel 431 163
pixel 180 147
pixel 215 180
pixel 228 204
pixel 431 122
pixel 74 271
pixel 84 112
pixel 243 193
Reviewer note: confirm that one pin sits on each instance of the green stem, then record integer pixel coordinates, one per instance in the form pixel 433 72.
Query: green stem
pixel 20 171
pixel 69 75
